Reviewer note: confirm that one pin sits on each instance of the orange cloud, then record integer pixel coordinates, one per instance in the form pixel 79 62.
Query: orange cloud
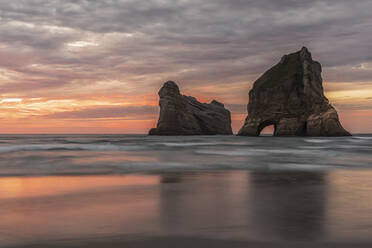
pixel 125 111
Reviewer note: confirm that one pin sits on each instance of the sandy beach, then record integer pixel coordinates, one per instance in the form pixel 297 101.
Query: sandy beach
pixel 219 209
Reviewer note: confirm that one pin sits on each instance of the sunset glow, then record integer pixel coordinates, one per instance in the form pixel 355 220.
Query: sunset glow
pixel 82 44
pixel 104 71
pixel 11 100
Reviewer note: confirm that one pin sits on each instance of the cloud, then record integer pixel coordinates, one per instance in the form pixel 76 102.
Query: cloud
pixel 84 48
pixel 96 112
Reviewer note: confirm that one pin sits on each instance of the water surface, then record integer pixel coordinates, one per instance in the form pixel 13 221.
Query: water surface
pixel 280 191
pixel 99 154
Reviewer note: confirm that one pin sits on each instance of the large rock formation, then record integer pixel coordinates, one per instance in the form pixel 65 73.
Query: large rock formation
pixel 290 96
pixel 184 115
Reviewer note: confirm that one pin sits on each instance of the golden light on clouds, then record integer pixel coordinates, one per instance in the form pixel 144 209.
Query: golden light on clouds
pixel 66 68
pixel 346 91
pixel 9 100
pixel 82 44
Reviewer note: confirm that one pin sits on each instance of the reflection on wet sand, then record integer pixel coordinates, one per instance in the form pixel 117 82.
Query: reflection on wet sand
pixel 232 205
pixel 207 204
pixel 258 205
pixel 289 205
pixel 26 187
pixel 77 207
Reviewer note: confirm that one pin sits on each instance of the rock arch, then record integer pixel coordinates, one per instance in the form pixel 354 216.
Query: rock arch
pixel 291 96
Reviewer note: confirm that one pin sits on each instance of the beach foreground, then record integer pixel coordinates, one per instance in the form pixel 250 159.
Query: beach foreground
pixel 222 209
pixel 219 191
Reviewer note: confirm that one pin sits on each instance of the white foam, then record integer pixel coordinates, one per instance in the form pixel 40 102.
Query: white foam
pixel 185 144
pixel 318 140
pixel 263 152
pixel 362 138
pixel 239 152
pixel 313 147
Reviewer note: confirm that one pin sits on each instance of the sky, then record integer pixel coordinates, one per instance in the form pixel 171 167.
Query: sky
pixel 95 66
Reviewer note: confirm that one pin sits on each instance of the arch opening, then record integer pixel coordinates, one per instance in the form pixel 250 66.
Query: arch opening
pixel 267 128
pixel 267 131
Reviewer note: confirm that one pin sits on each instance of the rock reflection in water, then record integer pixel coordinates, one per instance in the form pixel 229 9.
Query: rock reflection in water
pixel 289 205
pixel 259 205
pixel 204 204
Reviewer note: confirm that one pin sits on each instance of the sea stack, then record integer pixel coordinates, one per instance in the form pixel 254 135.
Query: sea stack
pixel 184 115
pixel 290 96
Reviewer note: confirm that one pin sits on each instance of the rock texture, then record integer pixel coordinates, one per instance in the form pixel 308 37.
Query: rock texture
pixel 184 115
pixel 290 96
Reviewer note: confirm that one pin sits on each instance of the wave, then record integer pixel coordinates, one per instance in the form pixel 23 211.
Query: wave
pixel 169 167
pixel 318 140
pixel 73 147
pixel 362 138
pixel 126 154
pixel 186 144
pixel 260 152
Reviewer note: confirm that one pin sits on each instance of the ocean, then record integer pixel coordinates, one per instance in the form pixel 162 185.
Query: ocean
pixel 150 191
pixel 26 155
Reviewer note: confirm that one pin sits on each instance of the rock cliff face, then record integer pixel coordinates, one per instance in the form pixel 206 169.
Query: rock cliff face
pixel 184 115
pixel 290 96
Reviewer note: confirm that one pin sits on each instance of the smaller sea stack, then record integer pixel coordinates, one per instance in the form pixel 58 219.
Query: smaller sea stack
pixel 184 115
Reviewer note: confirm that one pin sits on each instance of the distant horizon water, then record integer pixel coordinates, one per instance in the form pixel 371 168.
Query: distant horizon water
pixel 47 154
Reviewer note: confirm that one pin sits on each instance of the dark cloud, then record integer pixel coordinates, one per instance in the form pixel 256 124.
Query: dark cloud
pixel 197 42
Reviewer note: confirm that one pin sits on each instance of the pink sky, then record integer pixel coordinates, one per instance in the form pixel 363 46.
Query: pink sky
pixel 66 67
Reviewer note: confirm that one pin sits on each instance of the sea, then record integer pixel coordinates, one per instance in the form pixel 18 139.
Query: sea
pixel 76 190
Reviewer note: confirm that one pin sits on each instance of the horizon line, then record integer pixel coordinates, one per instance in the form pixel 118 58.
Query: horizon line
pixel 147 134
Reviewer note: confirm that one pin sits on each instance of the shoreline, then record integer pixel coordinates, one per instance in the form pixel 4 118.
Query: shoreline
pixel 180 242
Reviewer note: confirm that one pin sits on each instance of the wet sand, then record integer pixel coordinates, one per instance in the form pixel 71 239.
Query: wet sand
pixel 217 209
pixel 185 242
